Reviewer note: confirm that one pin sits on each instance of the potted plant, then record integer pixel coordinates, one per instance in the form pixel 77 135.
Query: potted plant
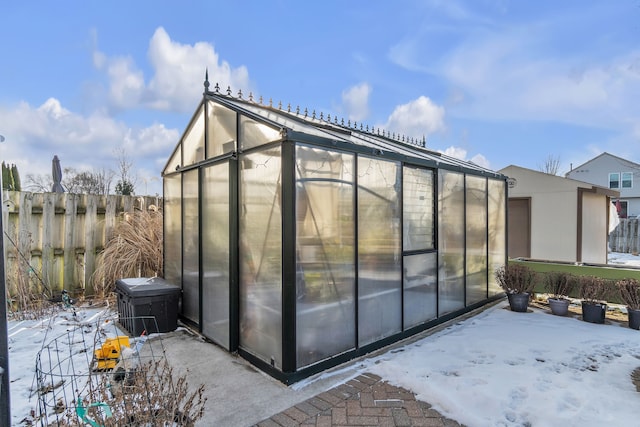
pixel 559 284
pixel 593 291
pixel 517 281
pixel 629 291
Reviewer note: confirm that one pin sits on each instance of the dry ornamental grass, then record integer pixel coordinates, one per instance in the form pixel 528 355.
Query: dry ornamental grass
pixel 134 250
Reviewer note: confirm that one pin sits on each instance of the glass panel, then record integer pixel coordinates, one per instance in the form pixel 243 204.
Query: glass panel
pixel 175 161
pixel 417 202
pixel 497 231
pixel 190 250
pixel 253 134
pixel 420 288
pixel 476 255
pixel 173 229
pixel 614 180
pixel 215 253
pixel 325 254
pixel 193 141
pixel 221 130
pixel 627 180
pixel 450 241
pixel 261 255
pixel 379 260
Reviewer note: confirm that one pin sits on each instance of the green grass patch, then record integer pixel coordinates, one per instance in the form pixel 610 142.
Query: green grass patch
pixel 611 273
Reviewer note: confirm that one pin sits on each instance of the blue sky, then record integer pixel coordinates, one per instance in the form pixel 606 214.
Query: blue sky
pixel 497 82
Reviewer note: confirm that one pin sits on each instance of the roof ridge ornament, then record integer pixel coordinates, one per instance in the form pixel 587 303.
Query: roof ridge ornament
pixel 206 80
pixel 228 90
pixel 217 88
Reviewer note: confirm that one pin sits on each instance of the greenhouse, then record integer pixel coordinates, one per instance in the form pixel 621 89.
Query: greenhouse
pixel 301 241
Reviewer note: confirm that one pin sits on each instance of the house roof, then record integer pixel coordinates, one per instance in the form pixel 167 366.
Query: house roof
pixel 595 188
pixel 605 154
pixel 308 125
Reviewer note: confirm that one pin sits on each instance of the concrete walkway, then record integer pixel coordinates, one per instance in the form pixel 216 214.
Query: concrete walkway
pixel 363 401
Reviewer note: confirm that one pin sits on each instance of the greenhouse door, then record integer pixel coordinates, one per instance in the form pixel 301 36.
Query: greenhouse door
pixel 215 237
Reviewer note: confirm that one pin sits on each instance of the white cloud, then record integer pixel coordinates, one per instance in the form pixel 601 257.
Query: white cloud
pixel 417 118
pixel 356 101
pixel 35 134
pixel 177 75
pixel 127 83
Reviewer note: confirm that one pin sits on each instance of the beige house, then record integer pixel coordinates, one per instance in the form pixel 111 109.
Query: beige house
pixel 555 218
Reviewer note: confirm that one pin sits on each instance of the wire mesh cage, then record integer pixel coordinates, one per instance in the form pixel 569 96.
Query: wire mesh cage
pixel 97 374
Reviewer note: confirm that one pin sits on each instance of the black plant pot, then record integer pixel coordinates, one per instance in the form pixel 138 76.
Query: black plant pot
pixel 559 306
pixel 634 318
pixel 593 312
pixel 519 302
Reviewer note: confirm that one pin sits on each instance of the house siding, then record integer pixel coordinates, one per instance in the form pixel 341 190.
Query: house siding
pixel 596 171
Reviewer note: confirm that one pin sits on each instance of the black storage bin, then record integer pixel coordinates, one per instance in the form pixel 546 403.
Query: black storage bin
pixel 142 299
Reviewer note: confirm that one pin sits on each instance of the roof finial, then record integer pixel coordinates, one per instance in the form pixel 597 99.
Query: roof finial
pixel 240 94
pixel 206 80
pixel 217 88
pixel 228 90
pixel 306 112
pixel 313 116
pixel 251 96
pixel 279 105
pixel 260 101
pixel 297 110
pixel 289 107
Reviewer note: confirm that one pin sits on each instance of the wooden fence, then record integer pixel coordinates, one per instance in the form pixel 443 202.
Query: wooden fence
pixel 626 237
pixel 54 240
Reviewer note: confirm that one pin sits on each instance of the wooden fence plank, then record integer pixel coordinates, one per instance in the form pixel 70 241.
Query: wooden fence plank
pixel 69 251
pixel 56 237
pixel 90 219
pixel 626 236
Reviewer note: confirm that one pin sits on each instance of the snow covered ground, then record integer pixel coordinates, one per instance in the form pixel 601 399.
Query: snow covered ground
pixel 497 368
pixel 502 368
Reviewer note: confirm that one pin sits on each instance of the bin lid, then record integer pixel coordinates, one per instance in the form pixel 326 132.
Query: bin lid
pixel 146 286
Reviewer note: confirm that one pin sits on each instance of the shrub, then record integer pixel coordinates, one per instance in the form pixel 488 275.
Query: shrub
pixel 593 289
pixel 515 278
pixel 629 291
pixel 134 250
pixel 559 284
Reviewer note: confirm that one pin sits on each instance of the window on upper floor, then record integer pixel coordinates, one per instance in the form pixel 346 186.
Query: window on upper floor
pixel 627 179
pixel 614 180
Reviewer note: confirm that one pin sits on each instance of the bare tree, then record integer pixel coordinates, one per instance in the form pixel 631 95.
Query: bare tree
pixel 40 183
pixel 551 165
pixel 87 182
pixel 127 180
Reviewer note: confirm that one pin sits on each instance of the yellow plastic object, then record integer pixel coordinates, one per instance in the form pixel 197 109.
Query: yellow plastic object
pixel 107 356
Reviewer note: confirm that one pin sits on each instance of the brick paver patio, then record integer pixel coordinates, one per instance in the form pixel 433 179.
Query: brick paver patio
pixel 363 401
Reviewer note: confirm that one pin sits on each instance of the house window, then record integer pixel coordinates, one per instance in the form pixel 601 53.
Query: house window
pixel 614 180
pixel 621 207
pixel 627 179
